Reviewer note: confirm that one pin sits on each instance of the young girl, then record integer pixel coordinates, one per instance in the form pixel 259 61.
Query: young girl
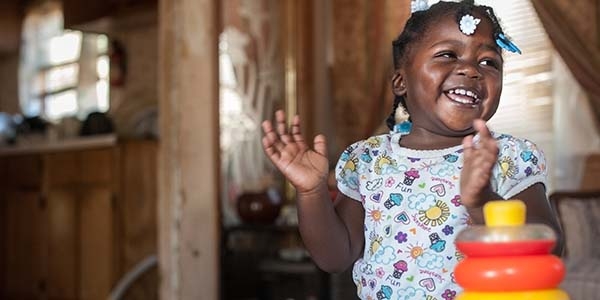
pixel 405 195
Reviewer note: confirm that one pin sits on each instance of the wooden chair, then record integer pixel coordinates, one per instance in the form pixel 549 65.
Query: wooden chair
pixel 579 215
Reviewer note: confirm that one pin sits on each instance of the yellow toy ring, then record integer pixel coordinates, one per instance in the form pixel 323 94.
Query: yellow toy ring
pixel 554 294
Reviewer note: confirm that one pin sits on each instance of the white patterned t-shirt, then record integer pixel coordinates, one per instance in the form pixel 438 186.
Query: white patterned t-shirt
pixel 413 210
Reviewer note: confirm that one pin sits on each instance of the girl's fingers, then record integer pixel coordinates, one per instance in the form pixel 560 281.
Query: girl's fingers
pixel 482 129
pixel 270 149
pixel 295 125
pixel 268 130
pixel 282 143
pixel 280 120
pixel 296 132
pixel 481 155
pixel 320 144
pixel 271 140
pixel 282 127
pixel 270 135
pixel 467 146
pixel 486 140
pixel 298 138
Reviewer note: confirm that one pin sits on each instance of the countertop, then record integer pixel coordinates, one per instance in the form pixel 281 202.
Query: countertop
pixel 79 143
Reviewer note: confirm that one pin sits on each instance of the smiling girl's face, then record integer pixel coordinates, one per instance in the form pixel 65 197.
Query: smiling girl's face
pixel 450 79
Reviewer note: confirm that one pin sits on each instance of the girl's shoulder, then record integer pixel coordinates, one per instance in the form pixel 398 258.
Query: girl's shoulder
pixel 520 164
pixel 508 145
pixel 376 142
pixel 511 144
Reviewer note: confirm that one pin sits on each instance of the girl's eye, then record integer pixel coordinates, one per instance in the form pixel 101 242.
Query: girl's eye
pixel 491 63
pixel 446 54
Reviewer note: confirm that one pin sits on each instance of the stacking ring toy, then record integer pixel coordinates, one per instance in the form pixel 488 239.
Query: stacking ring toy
pixel 508 259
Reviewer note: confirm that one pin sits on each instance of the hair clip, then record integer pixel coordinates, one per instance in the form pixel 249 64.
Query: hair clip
pixel 401 114
pixel 403 128
pixel 505 43
pixel 401 117
pixel 468 24
pixel 418 5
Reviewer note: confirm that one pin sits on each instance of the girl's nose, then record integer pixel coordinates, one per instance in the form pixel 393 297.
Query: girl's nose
pixel 468 69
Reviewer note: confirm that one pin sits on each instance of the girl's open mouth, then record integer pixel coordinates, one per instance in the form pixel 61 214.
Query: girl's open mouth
pixel 463 96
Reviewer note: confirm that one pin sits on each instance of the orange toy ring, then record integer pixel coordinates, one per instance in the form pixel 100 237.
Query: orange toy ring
pixel 514 273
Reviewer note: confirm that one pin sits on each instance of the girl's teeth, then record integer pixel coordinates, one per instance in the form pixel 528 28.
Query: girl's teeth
pixel 464 93
pixel 463 101
pixel 464 96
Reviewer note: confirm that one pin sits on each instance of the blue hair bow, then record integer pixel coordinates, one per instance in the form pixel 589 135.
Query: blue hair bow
pixel 505 43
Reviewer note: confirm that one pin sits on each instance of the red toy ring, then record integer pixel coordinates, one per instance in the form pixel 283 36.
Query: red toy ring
pixel 531 247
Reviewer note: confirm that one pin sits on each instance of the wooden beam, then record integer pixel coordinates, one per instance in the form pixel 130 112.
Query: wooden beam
pixel 189 149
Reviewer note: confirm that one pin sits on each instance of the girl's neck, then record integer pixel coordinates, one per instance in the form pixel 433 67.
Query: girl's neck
pixel 421 139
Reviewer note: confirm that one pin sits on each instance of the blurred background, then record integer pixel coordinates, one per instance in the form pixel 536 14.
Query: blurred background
pixel 131 164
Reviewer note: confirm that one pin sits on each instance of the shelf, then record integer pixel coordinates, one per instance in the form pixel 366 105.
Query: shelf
pixel 291 267
pixel 260 228
pixel 80 143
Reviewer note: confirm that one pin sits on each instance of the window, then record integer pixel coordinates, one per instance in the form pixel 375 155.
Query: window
pixel 62 73
pixel 527 104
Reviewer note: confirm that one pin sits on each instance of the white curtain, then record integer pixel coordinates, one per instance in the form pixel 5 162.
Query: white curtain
pixel 251 80
pixel 87 89
pixel 575 134
pixel 41 24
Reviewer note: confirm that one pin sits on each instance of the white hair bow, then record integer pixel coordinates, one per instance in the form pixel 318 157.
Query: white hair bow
pixel 418 5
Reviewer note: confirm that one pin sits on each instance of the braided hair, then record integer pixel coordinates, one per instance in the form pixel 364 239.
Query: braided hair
pixel 420 22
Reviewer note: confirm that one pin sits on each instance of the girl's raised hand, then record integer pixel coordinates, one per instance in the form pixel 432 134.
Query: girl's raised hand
pixel 305 168
pixel 479 159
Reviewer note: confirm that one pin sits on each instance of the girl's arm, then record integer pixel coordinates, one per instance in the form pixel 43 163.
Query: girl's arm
pixel 539 211
pixel 331 231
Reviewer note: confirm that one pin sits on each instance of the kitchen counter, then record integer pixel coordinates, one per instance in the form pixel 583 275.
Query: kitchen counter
pixel 79 143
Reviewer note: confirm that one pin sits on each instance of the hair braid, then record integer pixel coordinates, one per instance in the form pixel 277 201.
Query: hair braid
pixel 497 28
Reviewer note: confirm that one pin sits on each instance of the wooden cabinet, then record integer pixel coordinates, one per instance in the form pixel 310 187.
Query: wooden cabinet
pixel 23 227
pixel 24 253
pixel 62 245
pixel 66 226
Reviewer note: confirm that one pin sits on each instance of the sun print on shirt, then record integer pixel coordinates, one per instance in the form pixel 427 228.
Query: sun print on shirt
pixel 508 168
pixel 435 215
pixel 375 215
pixel 415 250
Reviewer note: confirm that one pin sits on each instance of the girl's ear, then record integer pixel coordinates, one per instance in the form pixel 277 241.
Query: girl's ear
pixel 398 84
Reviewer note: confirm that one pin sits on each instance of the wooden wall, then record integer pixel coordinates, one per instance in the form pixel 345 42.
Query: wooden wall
pixel 362 37
pixel 11 16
